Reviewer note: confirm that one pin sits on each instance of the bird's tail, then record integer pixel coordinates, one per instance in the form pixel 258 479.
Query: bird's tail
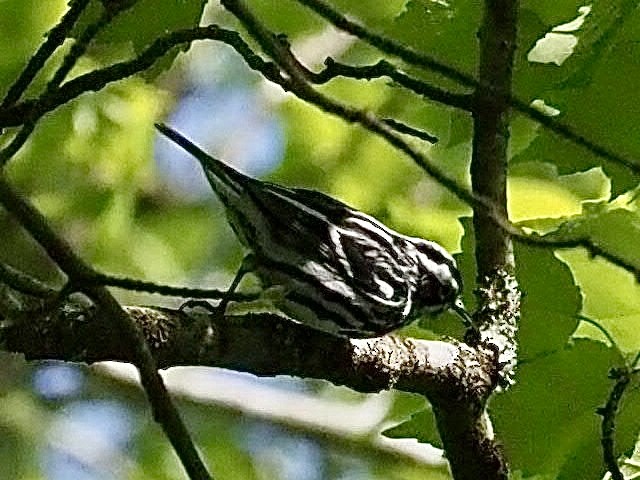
pixel 228 183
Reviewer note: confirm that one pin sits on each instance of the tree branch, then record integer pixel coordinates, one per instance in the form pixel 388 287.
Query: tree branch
pixel 609 412
pixel 388 45
pixel 409 130
pixel 118 324
pixel 22 283
pixel 55 38
pixel 77 50
pixel 498 293
pixel 261 344
pixel 383 68
pixel 30 110
pixel 99 278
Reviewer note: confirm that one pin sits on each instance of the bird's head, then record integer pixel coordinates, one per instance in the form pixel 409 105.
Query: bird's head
pixel 439 283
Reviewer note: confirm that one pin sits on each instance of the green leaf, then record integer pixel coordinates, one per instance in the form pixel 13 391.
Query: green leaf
pixel 551 301
pixel 292 20
pixel 404 405
pixel 552 12
pixel 147 19
pixel 607 121
pixel 547 421
pixel 611 297
pixel 137 27
pixel 615 230
pixel 536 191
pixel 611 294
pixel 445 30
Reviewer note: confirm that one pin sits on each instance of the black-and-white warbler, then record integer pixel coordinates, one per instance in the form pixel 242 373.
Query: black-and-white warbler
pixel 341 270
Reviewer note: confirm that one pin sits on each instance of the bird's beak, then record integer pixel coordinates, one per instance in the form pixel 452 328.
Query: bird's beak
pixel 458 307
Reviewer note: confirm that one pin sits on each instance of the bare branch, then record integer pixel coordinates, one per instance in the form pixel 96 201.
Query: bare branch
pixel 30 110
pixel 414 132
pixel 55 38
pixel 77 50
pixel 98 278
pixel 262 344
pixel 383 68
pixel 121 325
pixel 498 294
pixel 23 283
pixel 609 412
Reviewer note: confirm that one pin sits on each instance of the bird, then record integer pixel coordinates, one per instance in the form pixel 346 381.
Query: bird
pixel 340 270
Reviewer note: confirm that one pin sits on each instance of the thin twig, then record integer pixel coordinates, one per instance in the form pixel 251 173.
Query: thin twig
pixel 610 410
pixel 98 278
pixel 388 45
pixel 96 80
pixel 334 69
pixel 24 283
pixel 77 50
pixel 602 330
pixel 55 38
pixel 298 84
pixel 61 252
pixel 608 413
pixel 383 68
pixel 556 241
pixel 409 130
pixel 17 142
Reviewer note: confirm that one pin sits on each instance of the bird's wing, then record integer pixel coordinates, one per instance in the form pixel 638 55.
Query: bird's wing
pixel 360 250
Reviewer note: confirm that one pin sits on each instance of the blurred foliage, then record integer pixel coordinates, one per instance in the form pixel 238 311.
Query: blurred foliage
pixel 90 167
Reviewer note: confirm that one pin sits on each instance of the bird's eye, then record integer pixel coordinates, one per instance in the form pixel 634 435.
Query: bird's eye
pixel 433 295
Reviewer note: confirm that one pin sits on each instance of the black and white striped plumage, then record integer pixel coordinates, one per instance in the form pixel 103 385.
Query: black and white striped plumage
pixel 342 271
